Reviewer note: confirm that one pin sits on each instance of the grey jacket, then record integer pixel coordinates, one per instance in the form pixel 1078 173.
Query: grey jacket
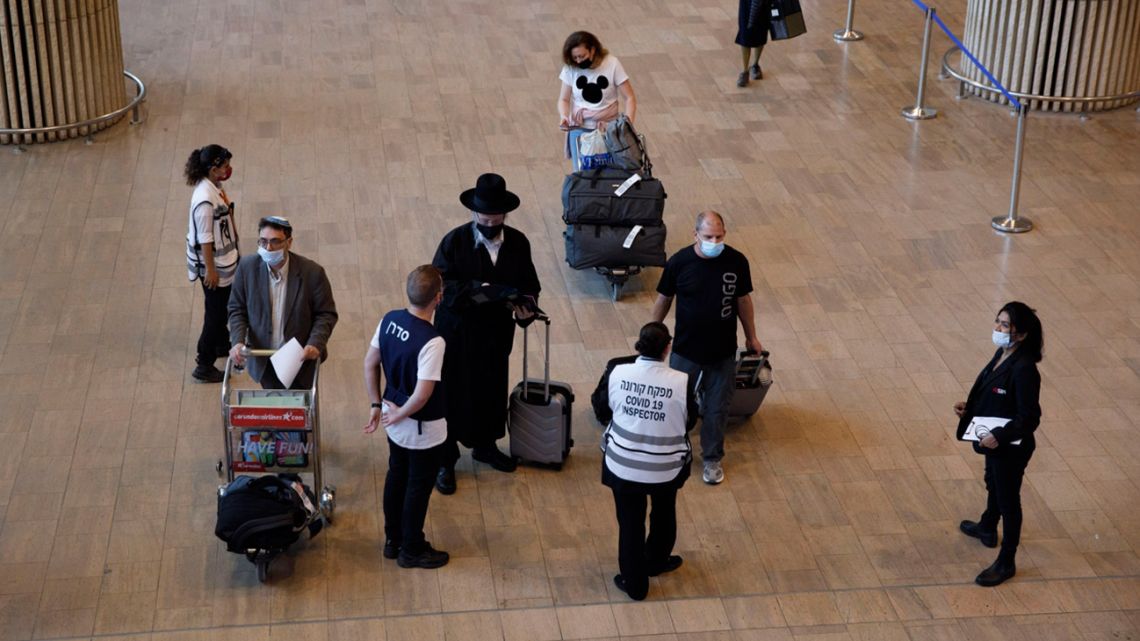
pixel 310 312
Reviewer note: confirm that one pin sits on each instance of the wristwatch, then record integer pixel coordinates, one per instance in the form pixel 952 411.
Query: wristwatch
pixel 377 406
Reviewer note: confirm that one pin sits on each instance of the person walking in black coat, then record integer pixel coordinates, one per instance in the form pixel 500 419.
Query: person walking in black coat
pixel 752 35
pixel 1009 387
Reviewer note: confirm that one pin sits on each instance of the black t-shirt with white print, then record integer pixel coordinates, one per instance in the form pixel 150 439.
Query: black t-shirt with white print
pixel 706 292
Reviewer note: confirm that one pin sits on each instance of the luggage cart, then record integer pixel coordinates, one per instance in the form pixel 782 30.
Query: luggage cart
pixel 270 431
pixel 617 277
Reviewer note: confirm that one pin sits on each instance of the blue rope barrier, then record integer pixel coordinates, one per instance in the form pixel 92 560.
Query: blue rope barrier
pixel 949 34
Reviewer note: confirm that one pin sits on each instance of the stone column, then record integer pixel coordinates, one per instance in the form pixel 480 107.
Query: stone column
pixel 62 62
pixel 1063 48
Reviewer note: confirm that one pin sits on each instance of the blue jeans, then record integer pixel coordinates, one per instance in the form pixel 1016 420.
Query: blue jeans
pixel 717 380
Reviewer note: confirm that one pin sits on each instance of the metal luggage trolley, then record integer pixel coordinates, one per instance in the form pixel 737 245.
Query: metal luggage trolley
pixel 617 277
pixel 270 431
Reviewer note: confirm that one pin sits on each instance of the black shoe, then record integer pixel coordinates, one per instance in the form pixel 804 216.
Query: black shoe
pixel 670 564
pixel 429 558
pixel 391 549
pixel 742 79
pixel 445 480
pixel 207 374
pixel 996 574
pixel 493 457
pixel 756 72
pixel 619 581
pixel 970 528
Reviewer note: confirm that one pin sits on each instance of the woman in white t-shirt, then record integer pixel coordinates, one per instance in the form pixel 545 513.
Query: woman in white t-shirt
pixel 592 80
pixel 211 252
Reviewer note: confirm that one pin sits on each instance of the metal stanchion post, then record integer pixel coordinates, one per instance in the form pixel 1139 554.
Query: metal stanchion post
pixel 847 34
pixel 1011 223
pixel 918 111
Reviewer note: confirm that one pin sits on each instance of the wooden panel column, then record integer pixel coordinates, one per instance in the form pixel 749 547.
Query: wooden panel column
pixel 62 62
pixel 1061 48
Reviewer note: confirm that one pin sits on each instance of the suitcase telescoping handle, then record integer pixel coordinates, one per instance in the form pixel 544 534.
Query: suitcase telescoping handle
pixel 763 361
pixel 546 375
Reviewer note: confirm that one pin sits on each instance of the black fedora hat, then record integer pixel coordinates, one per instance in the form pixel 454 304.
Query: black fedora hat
pixel 490 196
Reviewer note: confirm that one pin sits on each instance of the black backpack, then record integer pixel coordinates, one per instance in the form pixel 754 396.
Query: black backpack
pixel 265 513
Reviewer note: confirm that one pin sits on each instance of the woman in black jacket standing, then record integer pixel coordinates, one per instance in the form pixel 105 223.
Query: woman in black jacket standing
pixel 1009 387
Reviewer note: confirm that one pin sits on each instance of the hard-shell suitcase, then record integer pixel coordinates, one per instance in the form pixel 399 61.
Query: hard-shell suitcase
pixel 753 378
pixel 596 197
pixel 606 246
pixel 539 416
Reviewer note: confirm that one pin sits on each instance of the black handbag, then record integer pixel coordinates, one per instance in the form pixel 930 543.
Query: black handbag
pixel 787 19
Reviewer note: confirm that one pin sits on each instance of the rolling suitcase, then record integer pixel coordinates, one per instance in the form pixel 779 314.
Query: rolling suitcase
pixel 753 378
pixel 539 416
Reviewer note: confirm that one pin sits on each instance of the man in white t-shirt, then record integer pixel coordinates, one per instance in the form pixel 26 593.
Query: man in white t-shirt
pixel 408 350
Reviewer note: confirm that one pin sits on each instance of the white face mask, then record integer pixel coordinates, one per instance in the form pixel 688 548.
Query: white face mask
pixel 711 249
pixel 271 258
pixel 1001 339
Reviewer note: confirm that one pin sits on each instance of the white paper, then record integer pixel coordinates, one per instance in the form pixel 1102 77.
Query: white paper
pixel 985 424
pixel 629 182
pixel 632 234
pixel 287 361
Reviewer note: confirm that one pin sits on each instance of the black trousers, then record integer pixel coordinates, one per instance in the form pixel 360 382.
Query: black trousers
pixel 407 489
pixel 215 337
pixel 637 554
pixel 1003 499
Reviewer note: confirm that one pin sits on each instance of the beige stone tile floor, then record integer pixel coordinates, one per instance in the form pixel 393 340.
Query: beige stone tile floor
pixel 876 278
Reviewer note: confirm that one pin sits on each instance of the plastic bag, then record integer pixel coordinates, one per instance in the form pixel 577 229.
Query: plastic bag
pixel 592 151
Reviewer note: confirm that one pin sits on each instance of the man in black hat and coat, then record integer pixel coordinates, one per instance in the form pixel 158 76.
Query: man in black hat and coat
pixel 489 284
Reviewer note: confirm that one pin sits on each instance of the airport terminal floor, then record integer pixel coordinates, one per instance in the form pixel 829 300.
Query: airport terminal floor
pixel 877 278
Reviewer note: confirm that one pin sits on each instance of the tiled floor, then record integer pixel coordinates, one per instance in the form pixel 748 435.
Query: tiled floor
pixel 876 279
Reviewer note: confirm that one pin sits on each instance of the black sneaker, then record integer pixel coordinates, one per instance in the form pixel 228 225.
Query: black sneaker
pixel 742 79
pixel 670 564
pixel 756 72
pixel 429 558
pixel 391 549
pixel 207 374
pixel 445 480
pixel 493 457
pixel 970 528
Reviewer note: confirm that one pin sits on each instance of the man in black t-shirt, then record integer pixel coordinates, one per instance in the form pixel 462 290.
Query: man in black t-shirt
pixel 711 282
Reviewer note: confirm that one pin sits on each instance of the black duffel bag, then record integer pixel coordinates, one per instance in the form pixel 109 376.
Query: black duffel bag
pixel 603 246
pixel 589 197
pixel 265 513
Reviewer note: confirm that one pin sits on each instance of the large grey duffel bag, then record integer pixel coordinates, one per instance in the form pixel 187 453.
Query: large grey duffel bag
pixel 602 246
pixel 591 197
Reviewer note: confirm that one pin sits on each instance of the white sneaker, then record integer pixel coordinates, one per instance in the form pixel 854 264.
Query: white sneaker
pixel 714 474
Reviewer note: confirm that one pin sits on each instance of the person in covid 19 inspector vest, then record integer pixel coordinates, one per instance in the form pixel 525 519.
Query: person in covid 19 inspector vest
pixel 647 457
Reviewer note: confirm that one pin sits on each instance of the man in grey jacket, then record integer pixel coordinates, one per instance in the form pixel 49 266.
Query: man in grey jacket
pixel 278 295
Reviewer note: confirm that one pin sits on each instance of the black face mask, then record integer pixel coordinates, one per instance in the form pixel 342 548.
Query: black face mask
pixel 585 64
pixel 490 232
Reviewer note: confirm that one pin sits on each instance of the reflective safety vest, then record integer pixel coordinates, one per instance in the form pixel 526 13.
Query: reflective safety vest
pixel 646 441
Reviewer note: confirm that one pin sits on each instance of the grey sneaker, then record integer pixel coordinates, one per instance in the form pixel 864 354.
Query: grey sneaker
pixel 714 474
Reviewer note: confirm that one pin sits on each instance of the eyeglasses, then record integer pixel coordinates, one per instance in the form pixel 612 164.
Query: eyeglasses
pixel 271 242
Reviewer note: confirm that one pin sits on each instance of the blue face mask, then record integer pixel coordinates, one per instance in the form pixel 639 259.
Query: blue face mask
pixel 1001 339
pixel 271 258
pixel 711 249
